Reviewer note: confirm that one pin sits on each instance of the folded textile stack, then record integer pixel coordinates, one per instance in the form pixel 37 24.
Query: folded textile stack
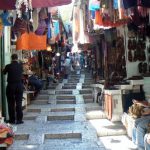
pixel 6 135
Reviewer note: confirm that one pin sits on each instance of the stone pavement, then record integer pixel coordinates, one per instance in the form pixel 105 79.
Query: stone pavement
pixel 64 117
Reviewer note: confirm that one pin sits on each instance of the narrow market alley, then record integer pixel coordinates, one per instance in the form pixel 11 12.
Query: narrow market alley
pixel 64 117
pixel 74 74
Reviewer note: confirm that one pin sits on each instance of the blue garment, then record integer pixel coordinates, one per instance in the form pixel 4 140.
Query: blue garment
pixel 4 17
pixel 56 28
pixel 35 82
pixel 115 4
pixel 147 146
pixel 93 6
pixel 140 130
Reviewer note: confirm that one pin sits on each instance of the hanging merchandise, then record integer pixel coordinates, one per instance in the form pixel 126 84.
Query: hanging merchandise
pixel 42 22
pixel 20 26
pixel 129 3
pixel 6 134
pixel 38 42
pixel 4 16
pixel 35 19
pixel 145 3
pixel 115 4
pixel 1 27
pixel 94 5
pixel 56 28
pixel 28 7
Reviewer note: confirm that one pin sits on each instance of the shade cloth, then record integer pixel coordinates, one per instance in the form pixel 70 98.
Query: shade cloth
pixel 31 41
pixel 10 4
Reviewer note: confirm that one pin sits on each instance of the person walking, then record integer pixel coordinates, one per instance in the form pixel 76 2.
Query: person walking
pixel 14 90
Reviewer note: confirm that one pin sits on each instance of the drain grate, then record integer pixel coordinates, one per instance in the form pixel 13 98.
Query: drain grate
pixel 64 136
pixel 62 109
pixel 21 136
pixel 56 118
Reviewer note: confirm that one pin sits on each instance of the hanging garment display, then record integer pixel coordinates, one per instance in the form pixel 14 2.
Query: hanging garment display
pixel 129 3
pixel 35 17
pixel 20 26
pixel 1 27
pixel 145 3
pixel 4 16
pixel 94 5
pixel 31 41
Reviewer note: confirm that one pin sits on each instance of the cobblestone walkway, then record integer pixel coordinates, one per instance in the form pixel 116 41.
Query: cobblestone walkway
pixel 57 119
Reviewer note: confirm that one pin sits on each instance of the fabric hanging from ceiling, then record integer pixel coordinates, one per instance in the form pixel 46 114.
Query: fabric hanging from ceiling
pixel 24 42
pixel 94 5
pixel 10 4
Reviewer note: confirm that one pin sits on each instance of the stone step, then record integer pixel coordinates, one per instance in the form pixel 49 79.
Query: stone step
pixel 64 136
pixel 104 127
pixel 85 91
pixel 95 114
pixel 42 96
pixel 29 117
pixel 63 92
pixel 58 144
pixel 88 96
pixel 86 86
pixel 62 109
pixel 44 92
pixel 21 136
pixel 116 142
pixel 70 84
pixel 88 101
pixel 51 87
pixel 68 87
pixel 39 102
pixel 33 110
pixel 65 97
pixel 66 102
pixel 60 117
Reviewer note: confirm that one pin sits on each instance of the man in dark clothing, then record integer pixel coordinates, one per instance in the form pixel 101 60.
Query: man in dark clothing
pixel 14 90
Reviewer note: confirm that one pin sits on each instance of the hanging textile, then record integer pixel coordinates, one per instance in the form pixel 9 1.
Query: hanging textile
pixel 35 18
pixel 10 4
pixel 31 41
pixel 94 5
pixel 115 4
pixel 1 27
pixel 4 17
pixel 76 23
pixel 98 18
pixel 56 28
pixel 145 3
pixel 129 3
pixel 41 27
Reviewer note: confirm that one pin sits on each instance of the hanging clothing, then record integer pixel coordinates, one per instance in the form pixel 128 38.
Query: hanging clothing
pixel 129 3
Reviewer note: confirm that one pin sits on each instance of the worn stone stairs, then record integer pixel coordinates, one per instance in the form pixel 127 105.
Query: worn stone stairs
pixel 57 119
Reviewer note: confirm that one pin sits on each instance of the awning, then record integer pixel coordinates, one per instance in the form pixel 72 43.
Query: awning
pixel 10 4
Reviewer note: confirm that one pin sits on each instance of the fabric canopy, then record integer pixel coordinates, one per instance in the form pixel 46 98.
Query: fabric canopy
pixel 10 4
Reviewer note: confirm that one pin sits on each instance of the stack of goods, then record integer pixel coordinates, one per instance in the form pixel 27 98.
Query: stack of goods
pixel 6 134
